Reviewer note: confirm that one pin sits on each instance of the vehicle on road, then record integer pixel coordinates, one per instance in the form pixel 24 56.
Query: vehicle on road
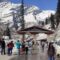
pixel 57 47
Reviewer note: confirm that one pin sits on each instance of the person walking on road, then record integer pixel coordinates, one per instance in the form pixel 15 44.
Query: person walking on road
pixel 43 45
pixel 51 52
pixel 2 47
pixel 26 47
pixel 18 45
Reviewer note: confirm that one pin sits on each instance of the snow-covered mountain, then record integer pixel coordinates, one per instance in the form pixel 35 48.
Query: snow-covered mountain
pixel 31 16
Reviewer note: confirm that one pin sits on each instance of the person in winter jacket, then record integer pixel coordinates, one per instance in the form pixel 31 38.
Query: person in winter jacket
pixel 51 52
pixel 10 47
pixel 3 46
pixel 18 45
pixel 26 47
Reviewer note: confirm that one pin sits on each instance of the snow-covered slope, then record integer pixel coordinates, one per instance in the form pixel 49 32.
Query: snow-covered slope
pixel 6 6
pixel 32 13
pixel 31 9
pixel 44 14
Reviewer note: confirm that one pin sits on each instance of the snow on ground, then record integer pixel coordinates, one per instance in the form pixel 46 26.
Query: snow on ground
pixel 41 36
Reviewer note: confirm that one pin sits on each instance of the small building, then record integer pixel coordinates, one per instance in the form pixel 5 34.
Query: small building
pixel 34 30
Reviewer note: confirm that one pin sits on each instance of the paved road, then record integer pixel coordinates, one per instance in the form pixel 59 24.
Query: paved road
pixel 36 54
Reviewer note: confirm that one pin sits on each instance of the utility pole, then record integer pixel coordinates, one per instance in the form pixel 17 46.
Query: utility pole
pixel 22 18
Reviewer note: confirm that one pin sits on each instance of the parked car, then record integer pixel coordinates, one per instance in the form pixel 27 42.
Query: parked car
pixel 57 47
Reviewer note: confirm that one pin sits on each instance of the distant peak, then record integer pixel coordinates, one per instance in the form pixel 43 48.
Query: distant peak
pixel 49 11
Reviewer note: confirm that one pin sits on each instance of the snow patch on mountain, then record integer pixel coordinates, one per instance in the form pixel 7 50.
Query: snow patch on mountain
pixel 32 9
pixel 44 14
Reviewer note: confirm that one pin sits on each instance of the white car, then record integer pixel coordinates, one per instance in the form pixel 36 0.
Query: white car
pixel 57 47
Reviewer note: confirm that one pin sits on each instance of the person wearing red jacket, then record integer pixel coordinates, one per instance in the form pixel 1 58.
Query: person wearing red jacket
pixel 10 47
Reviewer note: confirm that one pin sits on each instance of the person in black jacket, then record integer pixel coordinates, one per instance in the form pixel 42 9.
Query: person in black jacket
pixel 3 47
pixel 51 52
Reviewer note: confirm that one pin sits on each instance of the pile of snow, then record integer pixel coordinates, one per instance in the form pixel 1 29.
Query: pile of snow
pixel 48 26
pixel 6 37
pixel 41 36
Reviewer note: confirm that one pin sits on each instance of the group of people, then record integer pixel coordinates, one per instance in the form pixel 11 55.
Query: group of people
pixel 51 50
pixel 3 47
pixel 10 45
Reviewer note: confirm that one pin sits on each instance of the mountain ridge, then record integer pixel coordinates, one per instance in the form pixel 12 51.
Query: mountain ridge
pixel 33 9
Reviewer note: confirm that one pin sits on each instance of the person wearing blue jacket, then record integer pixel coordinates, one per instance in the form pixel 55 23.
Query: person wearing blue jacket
pixel 18 45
